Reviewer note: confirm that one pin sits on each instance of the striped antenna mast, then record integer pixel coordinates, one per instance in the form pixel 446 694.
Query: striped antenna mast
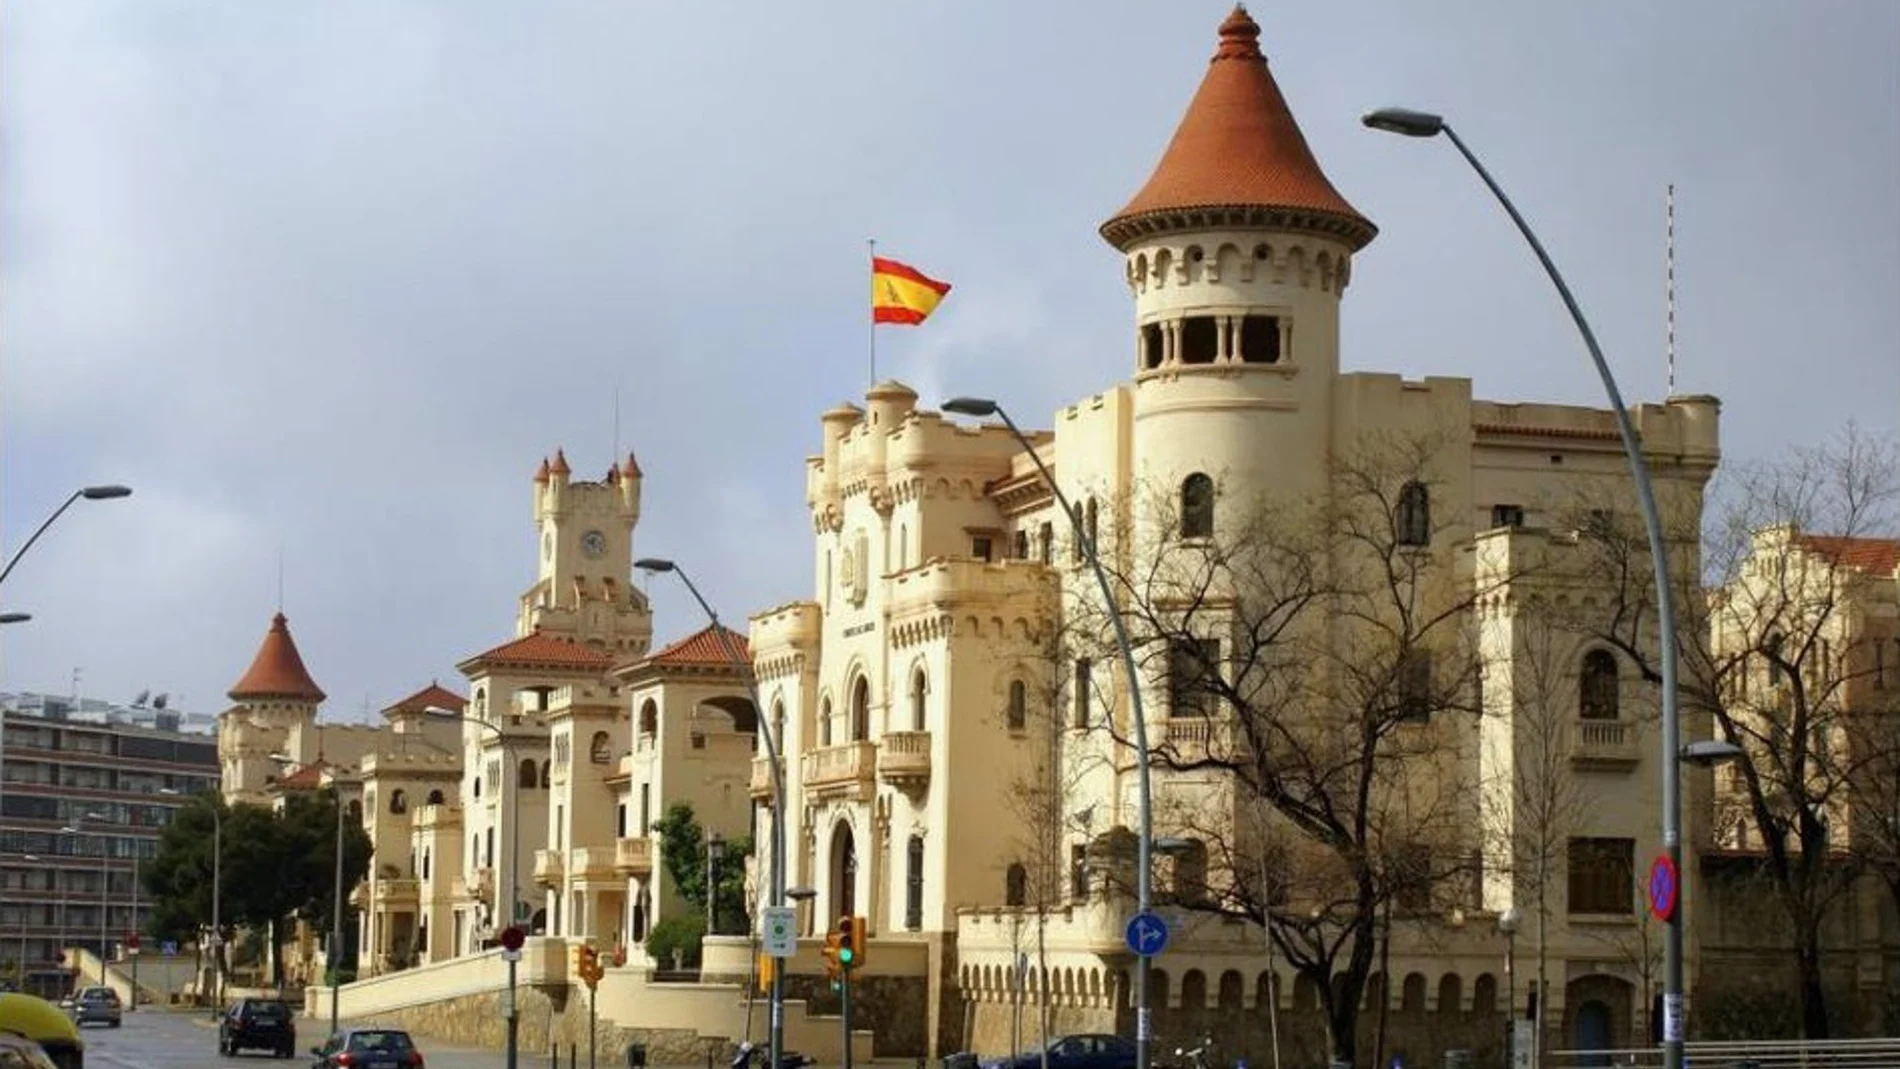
pixel 1669 284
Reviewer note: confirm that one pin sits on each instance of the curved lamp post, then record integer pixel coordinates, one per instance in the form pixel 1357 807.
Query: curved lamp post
pixel 1424 124
pixel 90 493
pixel 776 1031
pixel 1144 842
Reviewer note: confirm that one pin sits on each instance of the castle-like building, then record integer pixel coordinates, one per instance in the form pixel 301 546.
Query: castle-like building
pixel 1314 565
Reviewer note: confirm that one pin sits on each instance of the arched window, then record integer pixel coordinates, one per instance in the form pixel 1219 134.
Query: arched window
pixel 398 802
pixel 1597 686
pixel 861 709
pixel 477 781
pixel 527 775
pixel 1018 705
pixel 1414 515
pixel 649 718
pixel 1016 885
pixel 919 691
pixel 824 722
pixel 600 749
pixel 435 796
pixel 778 726
pixel 1197 506
pixel 545 768
pixel 481 703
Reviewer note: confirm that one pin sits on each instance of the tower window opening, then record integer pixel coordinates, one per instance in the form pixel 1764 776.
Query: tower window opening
pixel 1200 340
pixel 1414 515
pixel 1151 345
pixel 1021 546
pixel 1260 340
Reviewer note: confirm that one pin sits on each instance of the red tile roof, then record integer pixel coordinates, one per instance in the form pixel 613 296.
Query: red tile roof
pixel 704 647
pixel 560 463
pixel 277 671
pixel 307 778
pixel 435 695
pixel 542 650
pixel 1238 147
pixel 1878 556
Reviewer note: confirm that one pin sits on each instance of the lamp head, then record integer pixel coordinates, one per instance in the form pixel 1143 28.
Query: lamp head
pixel 801 894
pixel 655 564
pixel 1405 121
pixel 103 493
pixel 1507 920
pixel 970 406
pixel 1705 753
pixel 15 617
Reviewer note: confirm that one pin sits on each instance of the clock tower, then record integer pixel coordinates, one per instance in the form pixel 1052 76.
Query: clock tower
pixel 584 589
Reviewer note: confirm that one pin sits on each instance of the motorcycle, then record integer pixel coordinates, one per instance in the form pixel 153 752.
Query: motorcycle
pixel 748 1054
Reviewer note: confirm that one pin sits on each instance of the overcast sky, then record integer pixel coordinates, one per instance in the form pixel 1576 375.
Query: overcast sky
pixel 330 278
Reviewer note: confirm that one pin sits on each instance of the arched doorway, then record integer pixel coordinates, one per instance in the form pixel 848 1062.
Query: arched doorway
pixel 1593 1032
pixel 844 872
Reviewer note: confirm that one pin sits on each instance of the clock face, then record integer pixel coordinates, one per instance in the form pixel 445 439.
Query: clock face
pixel 593 543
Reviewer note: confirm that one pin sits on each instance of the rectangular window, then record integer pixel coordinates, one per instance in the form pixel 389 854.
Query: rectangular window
pixel 1412 878
pixel 1084 683
pixel 1507 515
pixel 1601 875
pixel 1260 340
pixel 646 808
pixel 1193 670
pixel 980 547
pixel 1415 686
pixel 1046 537
pixel 1079 872
pixel 914 884
pixel 1021 543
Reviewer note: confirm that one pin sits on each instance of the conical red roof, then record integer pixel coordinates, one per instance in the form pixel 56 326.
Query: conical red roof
pixel 277 671
pixel 1236 152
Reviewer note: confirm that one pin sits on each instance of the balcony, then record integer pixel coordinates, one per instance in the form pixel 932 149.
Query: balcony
pixel 633 856
pixel 592 862
pixel 903 759
pixel 761 778
pixel 398 892
pixel 840 771
pixel 1199 738
pixel 1604 745
pixel 548 867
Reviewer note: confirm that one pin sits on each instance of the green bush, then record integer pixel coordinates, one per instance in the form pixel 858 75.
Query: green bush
pixel 681 933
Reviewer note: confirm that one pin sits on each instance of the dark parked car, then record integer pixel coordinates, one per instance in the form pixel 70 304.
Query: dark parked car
pixel 368 1048
pixel 1075 1052
pixel 258 1024
pixel 97 1005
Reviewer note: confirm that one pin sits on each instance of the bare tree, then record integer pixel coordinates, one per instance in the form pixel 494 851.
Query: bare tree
pixel 1317 659
pixel 1763 658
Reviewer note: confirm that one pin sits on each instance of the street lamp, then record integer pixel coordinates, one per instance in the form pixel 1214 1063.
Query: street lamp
pixel 776 1042
pixel 334 957
pixel 217 895
pixel 1423 124
pixel 1507 924
pixel 90 493
pixel 511 1013
pixel 715 854
pixel 1144 842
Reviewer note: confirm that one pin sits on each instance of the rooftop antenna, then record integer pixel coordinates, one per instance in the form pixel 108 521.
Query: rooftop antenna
pixel 616 453
pixel 1669 284
pixel 280 579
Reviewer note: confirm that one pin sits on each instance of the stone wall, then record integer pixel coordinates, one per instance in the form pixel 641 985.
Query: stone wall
pixel 548 1016
pixel 893 1008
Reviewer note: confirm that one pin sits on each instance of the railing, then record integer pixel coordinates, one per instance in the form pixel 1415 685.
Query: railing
pixel 1200 736
pixel 761 778
pixel 592 862
pixel 903 758
pixel 633 856
pixel 548 865
pixel 1607 744
pixel 841 770
pixel 1744 1054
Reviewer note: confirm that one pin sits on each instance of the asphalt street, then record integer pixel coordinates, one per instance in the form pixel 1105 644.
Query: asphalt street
pixel 160 1039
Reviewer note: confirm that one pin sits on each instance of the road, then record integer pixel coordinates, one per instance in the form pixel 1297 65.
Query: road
pixel 160 1039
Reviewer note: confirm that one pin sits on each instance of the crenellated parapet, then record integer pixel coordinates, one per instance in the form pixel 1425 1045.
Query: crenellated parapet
pixel 404 763
pixel 1243 262
pixel 965 598
pixel 784 639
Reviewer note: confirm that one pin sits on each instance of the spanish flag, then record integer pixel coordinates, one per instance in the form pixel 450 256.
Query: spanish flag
pixel 902 294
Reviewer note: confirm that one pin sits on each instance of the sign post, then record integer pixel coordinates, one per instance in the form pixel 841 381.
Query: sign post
pixel 1665 888
pixel 779 931
pixel 1147 936
pixel 511 940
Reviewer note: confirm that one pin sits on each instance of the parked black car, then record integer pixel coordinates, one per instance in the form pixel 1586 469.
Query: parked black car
pixel 258 1024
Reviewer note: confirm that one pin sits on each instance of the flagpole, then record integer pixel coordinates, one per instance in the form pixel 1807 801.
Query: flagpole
pixel 872 245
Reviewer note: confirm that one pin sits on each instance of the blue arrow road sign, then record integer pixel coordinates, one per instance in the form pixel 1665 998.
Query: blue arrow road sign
pixel 1147 934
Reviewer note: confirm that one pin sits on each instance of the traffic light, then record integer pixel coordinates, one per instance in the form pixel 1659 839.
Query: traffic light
pixel 587 965
pixel 850 943
pixel 768 965
pixel 833 967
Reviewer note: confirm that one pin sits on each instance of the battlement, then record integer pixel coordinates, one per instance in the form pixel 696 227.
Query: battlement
pixel 616 494
pixel 563 701
pixel 1686 427
pixel 781 636
pixel 892 442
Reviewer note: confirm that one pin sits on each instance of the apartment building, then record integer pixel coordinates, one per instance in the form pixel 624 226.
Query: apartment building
pixel 88 787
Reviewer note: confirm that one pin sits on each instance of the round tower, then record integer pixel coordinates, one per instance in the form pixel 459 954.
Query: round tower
pixel 1237 251
pixel 274 695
